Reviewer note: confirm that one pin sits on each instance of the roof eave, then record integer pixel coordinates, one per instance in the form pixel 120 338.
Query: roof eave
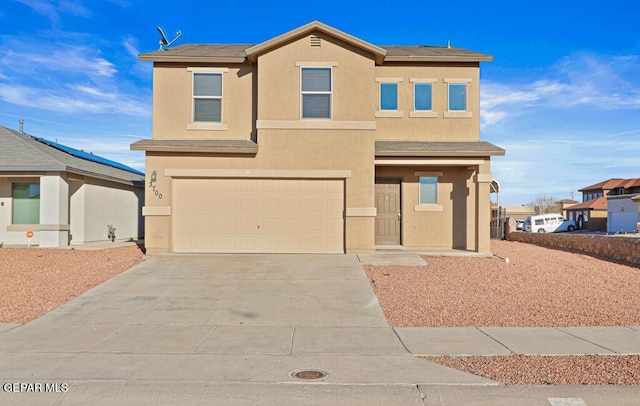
pixel 147 145
pixel 76 171
pixel 195 59
pixel 440 153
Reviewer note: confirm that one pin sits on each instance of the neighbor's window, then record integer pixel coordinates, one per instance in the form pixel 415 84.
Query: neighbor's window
pixel 422 97
pixel 457 96
pixel 207 97
pixel 316 92
pixel 26 203
pixel 428 190
pixel 388 96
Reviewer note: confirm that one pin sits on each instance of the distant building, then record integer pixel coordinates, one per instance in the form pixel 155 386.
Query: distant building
pixel 593 211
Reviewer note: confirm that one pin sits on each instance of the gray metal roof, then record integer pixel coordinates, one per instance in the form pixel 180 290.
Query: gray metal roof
pixel 437 148
pixel 24 153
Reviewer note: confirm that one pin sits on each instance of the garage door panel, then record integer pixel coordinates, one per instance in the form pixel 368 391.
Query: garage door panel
pixel 258 215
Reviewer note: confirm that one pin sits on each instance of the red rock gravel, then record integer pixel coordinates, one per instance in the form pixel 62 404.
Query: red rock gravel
pixel 34 281
pixel 550 370
pixel 538 287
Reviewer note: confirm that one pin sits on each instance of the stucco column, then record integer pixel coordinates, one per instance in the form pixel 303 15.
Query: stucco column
pixel 483 206
pixel 54 210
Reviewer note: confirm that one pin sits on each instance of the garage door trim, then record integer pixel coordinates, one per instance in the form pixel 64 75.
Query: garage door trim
pixel 257 173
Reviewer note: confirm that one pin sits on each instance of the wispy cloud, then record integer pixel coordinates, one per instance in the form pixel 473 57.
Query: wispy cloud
pixel 53 9
pixel 583 79
pixel 74 99
pixel 64 58
pixel 70 78
pixel 131 45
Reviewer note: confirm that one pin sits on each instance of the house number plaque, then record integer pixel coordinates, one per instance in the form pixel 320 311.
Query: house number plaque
pixel 153 187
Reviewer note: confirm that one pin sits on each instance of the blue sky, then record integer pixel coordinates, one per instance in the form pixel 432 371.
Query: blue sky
pixel 562 95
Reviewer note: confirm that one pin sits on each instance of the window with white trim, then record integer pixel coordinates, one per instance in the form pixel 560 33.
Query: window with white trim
pixel 26 203
pixel 207 97
pixel 428 190
pixel 457 97
pixel 388 96
pixel 422 97
pixel 316 92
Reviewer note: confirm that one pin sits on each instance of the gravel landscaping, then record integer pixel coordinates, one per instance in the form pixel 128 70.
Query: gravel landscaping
pixel 550 370
pixel 35 281
pixel 537 287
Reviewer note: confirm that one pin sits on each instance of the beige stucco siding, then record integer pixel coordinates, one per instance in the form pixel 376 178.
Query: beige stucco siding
pixel 279 94
pixel 439 128
pixel 280 150
pixel 452 224
pixel 172 102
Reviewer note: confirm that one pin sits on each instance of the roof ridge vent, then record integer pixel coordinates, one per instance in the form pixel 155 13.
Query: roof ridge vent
pixel 316 41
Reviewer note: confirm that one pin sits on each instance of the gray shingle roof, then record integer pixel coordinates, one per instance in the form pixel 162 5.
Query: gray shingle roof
pixel 23 152
pixel 438 148
pixel 238 146
pixel 425 51
pixel 202 51
pixel 236 52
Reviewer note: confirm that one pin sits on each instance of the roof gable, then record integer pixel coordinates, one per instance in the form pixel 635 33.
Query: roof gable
pixel 264 47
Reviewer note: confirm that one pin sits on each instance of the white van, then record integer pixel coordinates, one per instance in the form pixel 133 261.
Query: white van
pixel 548 223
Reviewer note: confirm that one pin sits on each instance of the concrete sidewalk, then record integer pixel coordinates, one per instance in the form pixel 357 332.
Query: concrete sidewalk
pixel 459 341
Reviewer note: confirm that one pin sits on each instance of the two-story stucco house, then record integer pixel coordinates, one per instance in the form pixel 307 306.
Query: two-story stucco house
pixel 316 141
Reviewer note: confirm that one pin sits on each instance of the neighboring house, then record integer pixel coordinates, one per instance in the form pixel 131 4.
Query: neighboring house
pixel 563 205
pixel 316 141
pixel 519 212
pixel 64 195
pixel 593 209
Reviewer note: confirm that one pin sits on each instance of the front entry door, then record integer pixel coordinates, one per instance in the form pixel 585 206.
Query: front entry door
pixel 388 213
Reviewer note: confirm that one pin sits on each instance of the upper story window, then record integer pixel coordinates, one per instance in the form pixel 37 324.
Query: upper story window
pixel 207 97
pixel 26 203
pixel 458 103
pixel 316 89
pixel 388 97
pixel 590 196
pixel 207 111
pixel 457 97
pixel 423 97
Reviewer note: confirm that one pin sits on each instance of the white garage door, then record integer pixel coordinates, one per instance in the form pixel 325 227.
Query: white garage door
pixel 258 215
pixel 626 222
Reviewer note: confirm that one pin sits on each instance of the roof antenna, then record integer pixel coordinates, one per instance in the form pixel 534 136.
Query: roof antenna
pixel 21 122
pixel 164 43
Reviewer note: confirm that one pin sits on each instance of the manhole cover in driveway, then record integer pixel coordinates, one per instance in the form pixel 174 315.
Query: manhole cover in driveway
pixel 309 374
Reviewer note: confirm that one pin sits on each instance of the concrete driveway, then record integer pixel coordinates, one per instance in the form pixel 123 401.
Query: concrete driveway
pixel 212 324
